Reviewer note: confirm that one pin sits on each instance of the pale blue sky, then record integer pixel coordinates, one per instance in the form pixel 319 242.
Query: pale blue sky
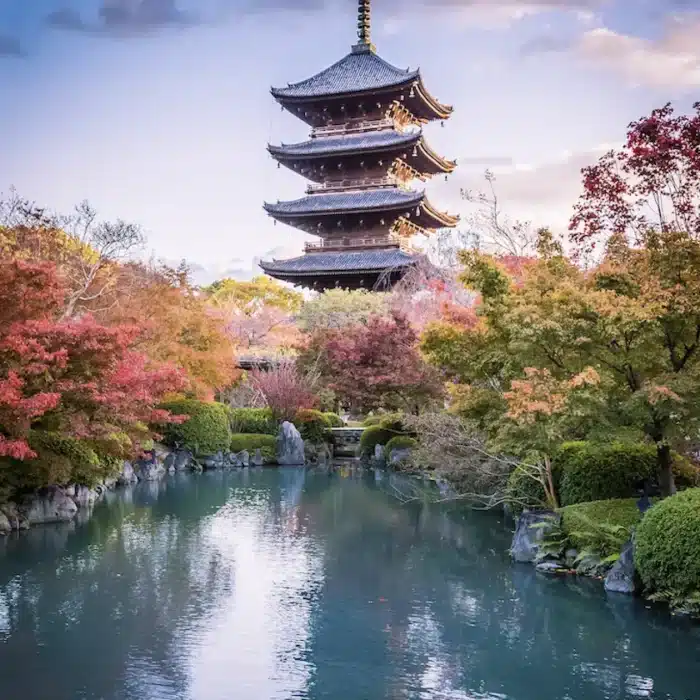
pixel 163 118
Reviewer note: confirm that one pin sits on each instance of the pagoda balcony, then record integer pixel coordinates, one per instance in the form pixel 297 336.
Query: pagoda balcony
pixel 392 241
pixel 356 184
pixel 352 127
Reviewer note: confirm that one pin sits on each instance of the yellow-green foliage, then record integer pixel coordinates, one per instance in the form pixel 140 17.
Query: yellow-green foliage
pixel 600 527
pixel 313 425
pixel 335 420
pixel 401 442
pixel 267 444
pixel 205 432
pixel 667 552
pixel 253 420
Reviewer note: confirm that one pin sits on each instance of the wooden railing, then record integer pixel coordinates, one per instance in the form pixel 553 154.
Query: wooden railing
pixel 352 127
pixel 349 243
pixel 357 184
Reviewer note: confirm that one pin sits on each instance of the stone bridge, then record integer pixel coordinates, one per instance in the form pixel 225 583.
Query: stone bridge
pixel 346 441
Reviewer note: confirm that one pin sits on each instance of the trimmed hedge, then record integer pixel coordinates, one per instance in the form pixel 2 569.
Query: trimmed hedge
pixel 313 425
pixel 401 442
pixel 258 421
pixel 251 442
pixel 373 436
pixel 601 527
pixel 667 552
pixel 335 420
pixel 596 472
pixel 207 430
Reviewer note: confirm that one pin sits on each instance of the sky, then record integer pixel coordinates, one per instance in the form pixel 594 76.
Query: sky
pixel 159 112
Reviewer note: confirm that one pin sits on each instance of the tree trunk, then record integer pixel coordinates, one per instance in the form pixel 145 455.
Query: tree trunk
pixel 665 467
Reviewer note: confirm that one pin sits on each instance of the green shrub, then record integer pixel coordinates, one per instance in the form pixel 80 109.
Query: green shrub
pixel 207 430
pixel 667 552
pixel 373 436
pixel 597 472
pixel 401 442
pixel 335 420
pixel 253 420
pixel 251 442
pixel 685 474
pixel 600 527
pixel 313 425
pixel 371 421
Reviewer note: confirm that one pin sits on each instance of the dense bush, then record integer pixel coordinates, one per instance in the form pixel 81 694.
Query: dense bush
pixel 596 472
pixel 371 421
pixel 313 425
pixel 267 444
pixel 600 527
pixel 667 552
pixel 253 420
pixel 401 442
pixel 207 430
pixel 373 436
pixel 335 420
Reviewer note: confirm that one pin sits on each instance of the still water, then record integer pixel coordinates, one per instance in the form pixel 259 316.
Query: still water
pixel 280 584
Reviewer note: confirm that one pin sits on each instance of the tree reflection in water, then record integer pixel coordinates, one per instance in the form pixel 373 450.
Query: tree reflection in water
pixel 314 585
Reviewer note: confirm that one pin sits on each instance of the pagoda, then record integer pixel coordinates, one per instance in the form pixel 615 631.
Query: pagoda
pixel 365 149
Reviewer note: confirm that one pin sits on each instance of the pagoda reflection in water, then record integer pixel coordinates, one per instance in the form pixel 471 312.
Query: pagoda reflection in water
pixel 365 149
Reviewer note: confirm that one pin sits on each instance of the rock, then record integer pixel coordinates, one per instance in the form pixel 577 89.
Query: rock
pixel 150 470
pixel 552 567
pixel 317 452
pixel 171 469
pixel 182 459
pixel 530 531
pixel 258 460
pixel 169 461
pixel 110 482
pixel 243 459
pixel 84 497
pixel 570 557
pixel 290 446
pixel 48 505
pixel 69 490
pixel 127 476
pixel 5 527
pixel 622 578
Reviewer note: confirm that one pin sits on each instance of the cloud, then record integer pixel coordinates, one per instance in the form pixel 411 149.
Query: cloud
pixel 672 60
pixel 543 193
pixel 10 47
pixel 125 17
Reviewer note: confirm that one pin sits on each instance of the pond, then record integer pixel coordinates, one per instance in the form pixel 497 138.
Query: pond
pixel 292 583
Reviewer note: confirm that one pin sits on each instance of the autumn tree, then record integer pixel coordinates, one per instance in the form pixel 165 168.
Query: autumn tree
pixel 285 388
pixel 259 312
pixel 75 377
pixel 177 324
pixel 378 365
pixel 651 184
pixel 339 308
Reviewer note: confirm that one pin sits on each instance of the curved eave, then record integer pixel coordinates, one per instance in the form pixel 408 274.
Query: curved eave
pixel 281 214
pixel 279 152
pixel 284 99
pixel 442 219
pixel 433 109
pixel 441 164
pixel 270 269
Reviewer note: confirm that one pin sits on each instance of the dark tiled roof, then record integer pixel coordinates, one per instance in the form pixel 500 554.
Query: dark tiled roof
pixel 352 261
pixel 367 141
pixel 357 72
pixel 386 198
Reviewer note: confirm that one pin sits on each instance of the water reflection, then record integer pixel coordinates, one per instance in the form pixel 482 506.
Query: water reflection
pixel 313 585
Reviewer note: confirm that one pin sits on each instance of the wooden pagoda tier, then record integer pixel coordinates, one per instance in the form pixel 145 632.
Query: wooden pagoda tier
pixel 366 146
pixel 339 157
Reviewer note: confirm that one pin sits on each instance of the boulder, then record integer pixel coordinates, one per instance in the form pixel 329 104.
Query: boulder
pixel 128 475
pixel 400 456
pixel 48 505
pixel 257 460
pixel 84 497
pixel 5 527
pixel 622 577
pixel 290 446
pixel 317 452
pixel 531 530
pixel 149 470
pixel 243 459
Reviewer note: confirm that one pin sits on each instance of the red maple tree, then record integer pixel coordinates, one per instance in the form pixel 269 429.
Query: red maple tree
pixel 75 375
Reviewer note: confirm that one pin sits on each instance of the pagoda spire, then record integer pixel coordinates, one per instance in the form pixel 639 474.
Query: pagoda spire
pixel 364 25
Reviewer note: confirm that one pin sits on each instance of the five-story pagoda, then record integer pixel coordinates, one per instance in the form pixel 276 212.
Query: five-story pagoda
pixel 366 147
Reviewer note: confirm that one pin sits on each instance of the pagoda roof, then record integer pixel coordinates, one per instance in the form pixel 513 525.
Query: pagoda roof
pixel 348 201
pixel 347 143
pixel 360 71
pixel 341 262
